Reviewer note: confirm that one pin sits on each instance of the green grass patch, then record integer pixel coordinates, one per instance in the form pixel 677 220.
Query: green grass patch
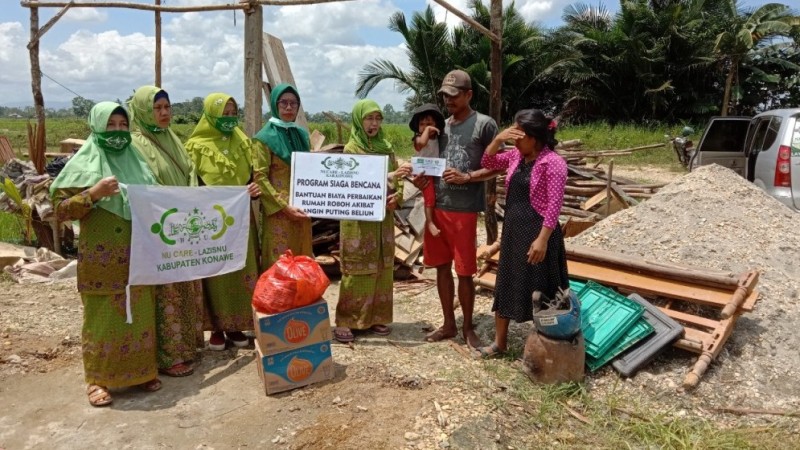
pixel 11 228
pixel 569 416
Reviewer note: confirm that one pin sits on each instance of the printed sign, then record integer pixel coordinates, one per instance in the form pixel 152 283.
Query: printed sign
pixel 431 166
pixel 340 186
pixel 187 233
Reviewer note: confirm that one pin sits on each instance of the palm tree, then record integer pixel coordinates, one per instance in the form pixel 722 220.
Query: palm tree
pixel 428 47
pixel 748 32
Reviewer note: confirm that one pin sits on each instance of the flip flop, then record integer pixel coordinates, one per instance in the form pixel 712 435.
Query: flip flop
pixel 98 395
pixel 151 386
pixel 439 335
pixel 380 330
pixel 489 352
pixel 178 370
pixel 343 335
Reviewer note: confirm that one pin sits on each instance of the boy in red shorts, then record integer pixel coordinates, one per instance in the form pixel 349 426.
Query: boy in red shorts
pixel 459 197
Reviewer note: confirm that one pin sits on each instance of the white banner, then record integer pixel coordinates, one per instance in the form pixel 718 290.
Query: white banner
pixel 340 186
pixel 187 233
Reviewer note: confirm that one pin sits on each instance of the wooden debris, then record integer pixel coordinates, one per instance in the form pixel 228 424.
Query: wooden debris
pixel 727 294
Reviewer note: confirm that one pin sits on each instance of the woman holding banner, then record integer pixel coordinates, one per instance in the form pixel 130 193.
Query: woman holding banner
pixel 367 248
pixel 222 154
pixel 179 306
pixel 283 227
pixel 91 188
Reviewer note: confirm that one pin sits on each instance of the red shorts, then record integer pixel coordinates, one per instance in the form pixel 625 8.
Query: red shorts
pixel 457 241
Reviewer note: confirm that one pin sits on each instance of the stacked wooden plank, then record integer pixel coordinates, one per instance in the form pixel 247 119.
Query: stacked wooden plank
pixel 592 193
pixel 409 222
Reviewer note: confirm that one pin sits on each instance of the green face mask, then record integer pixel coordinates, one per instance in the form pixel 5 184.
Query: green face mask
pixel 113 141
pixel 226 124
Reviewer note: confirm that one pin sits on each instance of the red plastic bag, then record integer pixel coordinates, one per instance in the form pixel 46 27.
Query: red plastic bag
pixel 292 282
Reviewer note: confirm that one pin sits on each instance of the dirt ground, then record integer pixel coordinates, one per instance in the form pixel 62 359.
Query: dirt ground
pixel 395 392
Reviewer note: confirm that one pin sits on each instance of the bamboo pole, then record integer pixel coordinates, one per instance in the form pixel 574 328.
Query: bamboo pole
pixel 48 25
pixel 472 22
pixel 158 45
pixel 243 4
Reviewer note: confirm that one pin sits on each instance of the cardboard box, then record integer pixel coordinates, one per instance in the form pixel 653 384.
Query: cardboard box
pixel 295 328
pixel 295 368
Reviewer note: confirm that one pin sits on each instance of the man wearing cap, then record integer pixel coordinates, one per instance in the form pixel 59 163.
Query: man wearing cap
pixel 460 197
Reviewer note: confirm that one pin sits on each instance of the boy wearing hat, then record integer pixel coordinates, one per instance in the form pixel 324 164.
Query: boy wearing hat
pixel 460 196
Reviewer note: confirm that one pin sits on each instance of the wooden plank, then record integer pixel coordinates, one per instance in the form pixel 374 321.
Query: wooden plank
pixel 691 319
pixel 416 218
pixel 253 29
pixel 405 241
pixel 652 285
pixel 276 65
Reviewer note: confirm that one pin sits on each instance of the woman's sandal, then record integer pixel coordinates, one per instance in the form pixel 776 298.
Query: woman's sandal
pixel 343 335
pixel 489 352
pixel 380 330
pixel 151 386
pixel 98 395
pixel 178 370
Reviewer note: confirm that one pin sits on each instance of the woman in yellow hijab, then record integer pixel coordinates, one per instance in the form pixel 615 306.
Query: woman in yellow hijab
pixel 222 154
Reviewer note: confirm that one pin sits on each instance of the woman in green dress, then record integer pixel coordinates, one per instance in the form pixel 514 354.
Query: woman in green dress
pixel 119 348
pixel 179 306
pixel 283 227
pixel 222 154
pixel 367 248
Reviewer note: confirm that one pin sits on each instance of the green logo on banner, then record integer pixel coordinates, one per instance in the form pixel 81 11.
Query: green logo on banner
pixel 194 228
pixel 340 163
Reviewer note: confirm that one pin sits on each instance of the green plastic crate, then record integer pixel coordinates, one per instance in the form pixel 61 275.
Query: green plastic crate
pixel 576 285
pixel 640 330
pixel 605 317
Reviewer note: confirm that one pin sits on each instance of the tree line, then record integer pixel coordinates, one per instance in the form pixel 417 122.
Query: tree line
pixel 653 61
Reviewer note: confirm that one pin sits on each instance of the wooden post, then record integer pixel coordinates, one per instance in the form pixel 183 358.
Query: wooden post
pixel 609 198
pixel 495 109
pixel 253 44
pixel 158 45
pixel 36 71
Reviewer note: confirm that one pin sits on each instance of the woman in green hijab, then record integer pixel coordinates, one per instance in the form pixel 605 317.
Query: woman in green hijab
pixel 222 154
pixel 92 188
pixel 367 248
pixel 179 306
pixel 283 227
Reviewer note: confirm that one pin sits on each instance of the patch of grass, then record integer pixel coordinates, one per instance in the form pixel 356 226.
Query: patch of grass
pixel 603 136
pixel 549 415
pixel 11 228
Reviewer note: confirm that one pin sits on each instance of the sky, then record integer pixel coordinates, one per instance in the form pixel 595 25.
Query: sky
pixel 106 53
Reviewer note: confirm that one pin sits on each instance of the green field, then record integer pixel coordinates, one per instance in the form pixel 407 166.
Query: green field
pixel 596 136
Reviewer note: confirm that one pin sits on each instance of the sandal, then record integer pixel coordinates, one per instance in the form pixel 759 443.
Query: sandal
pixel 151 386
pixel 98 395
pixel 343 335
pixel 489 352
pixel 380 330
pixel 178 370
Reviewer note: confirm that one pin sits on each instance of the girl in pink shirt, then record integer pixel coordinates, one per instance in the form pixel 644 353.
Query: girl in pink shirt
pixel 532 254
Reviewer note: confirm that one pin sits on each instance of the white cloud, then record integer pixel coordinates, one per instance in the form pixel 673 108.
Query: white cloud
pixel 540 11
pixel 14 60
pixel 85 15
pixel 327 45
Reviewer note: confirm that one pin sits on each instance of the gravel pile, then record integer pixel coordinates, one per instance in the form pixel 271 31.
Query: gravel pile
pixel 715 219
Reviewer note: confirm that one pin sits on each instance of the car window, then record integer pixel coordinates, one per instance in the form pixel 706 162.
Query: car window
pixel 796 138
pixel 761 132
pixel 772 133
pixel 725 136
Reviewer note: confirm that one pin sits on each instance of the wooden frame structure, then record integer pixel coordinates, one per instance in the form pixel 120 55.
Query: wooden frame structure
pixel 723 295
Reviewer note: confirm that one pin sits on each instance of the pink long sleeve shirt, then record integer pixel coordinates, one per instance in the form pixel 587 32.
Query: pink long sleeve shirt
pixel 548 178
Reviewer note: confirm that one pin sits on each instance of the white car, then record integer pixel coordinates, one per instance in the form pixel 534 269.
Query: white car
pixel 765 149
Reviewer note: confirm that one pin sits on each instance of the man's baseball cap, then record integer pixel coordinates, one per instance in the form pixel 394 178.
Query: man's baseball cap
pixel 455 81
